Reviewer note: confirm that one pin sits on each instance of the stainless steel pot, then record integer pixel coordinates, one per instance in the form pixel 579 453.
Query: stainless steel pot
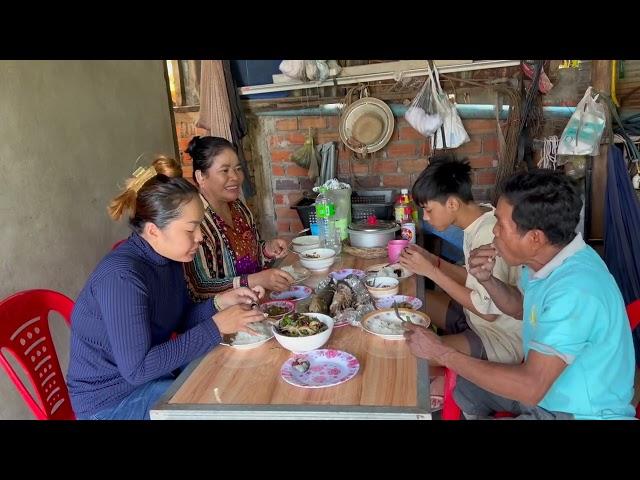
pixel 365 235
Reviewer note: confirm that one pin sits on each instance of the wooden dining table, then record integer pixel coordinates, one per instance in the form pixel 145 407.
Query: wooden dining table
pixel 231 383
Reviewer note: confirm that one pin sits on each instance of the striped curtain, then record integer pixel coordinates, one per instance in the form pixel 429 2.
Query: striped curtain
pixel 215 113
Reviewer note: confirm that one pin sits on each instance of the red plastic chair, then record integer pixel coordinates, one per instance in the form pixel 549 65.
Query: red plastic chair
pixel 633 311
pixel 24 331
pixel 451 411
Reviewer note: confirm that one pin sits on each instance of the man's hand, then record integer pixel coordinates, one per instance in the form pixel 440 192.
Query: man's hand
pixel 482 261
pixel 423 343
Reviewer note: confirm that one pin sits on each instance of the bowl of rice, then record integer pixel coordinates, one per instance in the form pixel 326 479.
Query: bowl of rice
pixel 261 333
pixel 386 324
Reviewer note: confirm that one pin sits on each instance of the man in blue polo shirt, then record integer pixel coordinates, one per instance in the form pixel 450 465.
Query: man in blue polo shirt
pixel 579 357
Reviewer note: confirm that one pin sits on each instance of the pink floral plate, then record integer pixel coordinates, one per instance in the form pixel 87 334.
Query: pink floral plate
pixel 326 368
pixel 295 293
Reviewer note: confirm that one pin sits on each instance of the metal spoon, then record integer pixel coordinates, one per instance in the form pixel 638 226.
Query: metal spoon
pixel 395 309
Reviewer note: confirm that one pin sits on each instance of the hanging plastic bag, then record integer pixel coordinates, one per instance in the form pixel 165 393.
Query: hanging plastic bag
pixel 421 113
pixel 452 134
pixel 582 134
pixel 307 157
pixel 294 69
pixel 309 70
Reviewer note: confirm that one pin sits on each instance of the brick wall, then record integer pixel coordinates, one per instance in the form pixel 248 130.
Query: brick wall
pixel 396 166
pixel 281 183
pixel 185 130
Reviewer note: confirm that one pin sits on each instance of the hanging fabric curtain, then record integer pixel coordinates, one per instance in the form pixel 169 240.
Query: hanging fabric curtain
pixel 622 234
pixel 238 127
pixel 220 111
pixel 328 154
pixel 215 114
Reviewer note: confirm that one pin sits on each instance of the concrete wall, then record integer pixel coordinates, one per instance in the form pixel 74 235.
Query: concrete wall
pixel 70 133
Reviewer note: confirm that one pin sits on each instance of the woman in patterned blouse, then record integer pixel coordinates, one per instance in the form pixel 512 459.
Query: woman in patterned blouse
pixel 232 254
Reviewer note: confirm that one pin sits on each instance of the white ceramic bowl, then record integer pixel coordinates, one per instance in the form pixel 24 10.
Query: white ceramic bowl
pixel 325 258
pixel 389 270
pixel 382 286
pixel 311 342
pixel 306 242
pixel 387 302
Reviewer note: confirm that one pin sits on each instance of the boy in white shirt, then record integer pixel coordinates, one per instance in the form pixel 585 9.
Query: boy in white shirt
pixel 471 321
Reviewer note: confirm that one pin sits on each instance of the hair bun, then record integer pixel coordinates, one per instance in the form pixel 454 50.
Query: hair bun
pixel 192 145
pixel 167 166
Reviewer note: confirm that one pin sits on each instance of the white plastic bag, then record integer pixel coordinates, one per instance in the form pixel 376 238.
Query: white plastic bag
pixel 311 67
pixel 425 123
pixel 452 134
pixel 309 70
pixel 294 69
pixel 582 134
pixel 421 113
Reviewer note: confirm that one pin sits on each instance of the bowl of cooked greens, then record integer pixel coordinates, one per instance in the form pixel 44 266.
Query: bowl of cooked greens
pixel 277 309
pixel 303 332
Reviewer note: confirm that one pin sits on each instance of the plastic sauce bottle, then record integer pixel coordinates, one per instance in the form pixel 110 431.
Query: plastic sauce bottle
pixel 403 207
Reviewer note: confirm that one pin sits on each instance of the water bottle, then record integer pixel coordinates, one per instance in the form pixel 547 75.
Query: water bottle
pixel 325 216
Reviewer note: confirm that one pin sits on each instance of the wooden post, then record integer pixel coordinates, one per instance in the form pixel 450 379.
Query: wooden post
pixel 600 80
pixel 171 112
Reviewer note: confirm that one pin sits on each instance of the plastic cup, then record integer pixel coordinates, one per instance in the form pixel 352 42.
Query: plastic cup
pixel 394 249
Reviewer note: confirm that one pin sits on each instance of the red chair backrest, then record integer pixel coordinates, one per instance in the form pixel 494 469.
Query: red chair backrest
pixel 633 312
pixel 24 331
pixel 118 243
